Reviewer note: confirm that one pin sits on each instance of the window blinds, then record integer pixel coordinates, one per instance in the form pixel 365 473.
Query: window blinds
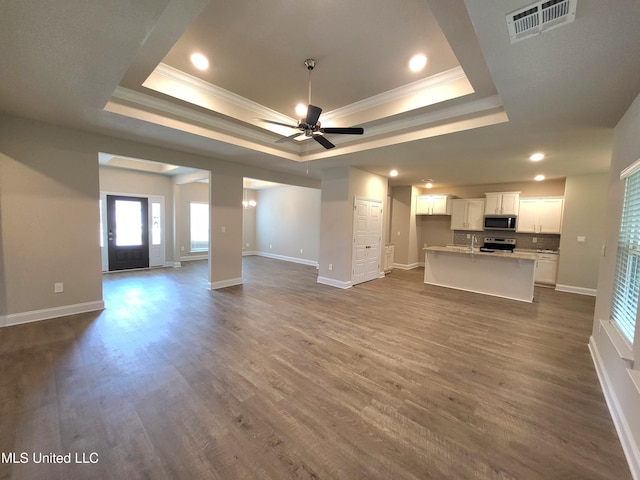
pixel 627 276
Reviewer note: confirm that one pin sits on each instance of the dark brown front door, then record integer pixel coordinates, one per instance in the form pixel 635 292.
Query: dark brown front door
pixel 128 232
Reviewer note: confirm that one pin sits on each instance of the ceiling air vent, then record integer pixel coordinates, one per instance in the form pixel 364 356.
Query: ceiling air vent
pixel 540 16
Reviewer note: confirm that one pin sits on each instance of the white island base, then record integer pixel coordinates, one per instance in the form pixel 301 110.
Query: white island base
pixel 507 275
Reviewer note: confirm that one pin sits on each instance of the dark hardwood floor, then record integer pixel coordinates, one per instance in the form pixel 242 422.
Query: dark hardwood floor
pixel 285 378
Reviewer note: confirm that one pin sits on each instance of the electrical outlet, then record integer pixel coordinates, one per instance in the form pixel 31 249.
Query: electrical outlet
pixel 331 266
pixel 534 240
pixel 58 287
pixel 468 235
pixel 223 229
pixel 301 250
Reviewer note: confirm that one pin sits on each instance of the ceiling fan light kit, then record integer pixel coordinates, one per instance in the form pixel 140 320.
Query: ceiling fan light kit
pixel 310 126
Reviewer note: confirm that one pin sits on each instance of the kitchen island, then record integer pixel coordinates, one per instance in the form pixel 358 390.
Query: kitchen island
pixel 501 274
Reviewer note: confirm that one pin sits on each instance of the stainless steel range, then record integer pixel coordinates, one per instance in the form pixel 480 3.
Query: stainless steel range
pixel 496 244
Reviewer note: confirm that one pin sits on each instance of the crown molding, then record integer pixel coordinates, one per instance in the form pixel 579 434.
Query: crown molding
pixel 186 80
pixel 438 80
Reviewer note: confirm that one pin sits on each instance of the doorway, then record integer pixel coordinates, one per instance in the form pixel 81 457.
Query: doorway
pixel 367 237
pixel 154 213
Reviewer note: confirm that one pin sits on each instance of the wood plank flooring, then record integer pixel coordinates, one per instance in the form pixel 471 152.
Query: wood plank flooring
pixel 284 378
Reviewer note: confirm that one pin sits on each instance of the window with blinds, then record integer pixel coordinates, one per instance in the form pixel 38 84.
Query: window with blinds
pixel 627 277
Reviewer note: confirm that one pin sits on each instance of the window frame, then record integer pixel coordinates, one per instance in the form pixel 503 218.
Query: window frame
pixel 626 281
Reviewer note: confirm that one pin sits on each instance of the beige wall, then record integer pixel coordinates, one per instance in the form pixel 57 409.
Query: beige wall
pixel 403 226
pixel 49 221
pixel 225 221
pixel 584 212
pixel 434 230
pixel 335 226
pixel 339 188
pixel 287 221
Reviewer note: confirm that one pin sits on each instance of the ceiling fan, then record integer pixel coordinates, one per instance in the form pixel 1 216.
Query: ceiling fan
pixel 310 126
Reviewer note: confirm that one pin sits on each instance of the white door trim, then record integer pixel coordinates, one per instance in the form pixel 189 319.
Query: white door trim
pixel 150 198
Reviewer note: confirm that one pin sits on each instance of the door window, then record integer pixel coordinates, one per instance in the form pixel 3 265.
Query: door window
pixel 128 224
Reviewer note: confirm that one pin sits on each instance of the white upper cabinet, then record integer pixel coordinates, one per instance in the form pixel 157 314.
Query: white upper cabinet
pixel 502 203
pixel 433 205
pixel 467 214
pixel 540 215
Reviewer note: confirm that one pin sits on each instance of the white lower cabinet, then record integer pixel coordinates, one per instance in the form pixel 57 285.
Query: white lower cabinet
pixel 546 268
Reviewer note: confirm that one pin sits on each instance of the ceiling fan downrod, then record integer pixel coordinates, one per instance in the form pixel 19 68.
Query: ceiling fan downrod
pixel 310 63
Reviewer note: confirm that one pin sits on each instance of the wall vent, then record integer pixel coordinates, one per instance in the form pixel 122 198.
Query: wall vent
pixel 538 17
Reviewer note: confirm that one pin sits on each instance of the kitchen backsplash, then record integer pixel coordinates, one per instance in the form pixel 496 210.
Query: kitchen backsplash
pixel 523 240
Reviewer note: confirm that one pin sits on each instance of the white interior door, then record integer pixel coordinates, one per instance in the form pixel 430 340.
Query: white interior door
pixel 367 233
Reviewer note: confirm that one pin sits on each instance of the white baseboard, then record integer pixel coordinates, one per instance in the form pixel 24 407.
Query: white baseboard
pixel 173 264
pixel 225 283
pixel 404 266
pixel 303 261
pixel 333 282
pixel 246 253
pixel 47 313
pixel 629 446
pixel 579 290
pixel 188 258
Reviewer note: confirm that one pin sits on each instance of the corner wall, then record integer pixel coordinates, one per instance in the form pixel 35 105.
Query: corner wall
pixel 49 224
pixel 585 203
pixel 288 223
pixel 339 188
pixel 616 361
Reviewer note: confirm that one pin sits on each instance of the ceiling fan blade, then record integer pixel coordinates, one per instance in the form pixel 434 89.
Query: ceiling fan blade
pixel 323 141
pixel 278 123
pixel 313 114
pixel 343 130
pixel 290 137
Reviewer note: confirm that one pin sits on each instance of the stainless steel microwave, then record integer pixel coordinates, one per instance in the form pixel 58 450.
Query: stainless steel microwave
pixel 500 222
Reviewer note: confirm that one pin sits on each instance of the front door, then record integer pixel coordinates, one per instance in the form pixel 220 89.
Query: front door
pixel 127 232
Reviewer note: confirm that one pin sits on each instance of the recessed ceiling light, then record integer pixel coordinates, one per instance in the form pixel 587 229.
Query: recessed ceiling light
pixel 200 61
pixel 538 178
pixel 417 62
pixel 429 185
pixel 301 110
pixel 536 157
pixel 393 173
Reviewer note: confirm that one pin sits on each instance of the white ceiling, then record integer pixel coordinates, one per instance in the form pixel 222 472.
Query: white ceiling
pixel 121 68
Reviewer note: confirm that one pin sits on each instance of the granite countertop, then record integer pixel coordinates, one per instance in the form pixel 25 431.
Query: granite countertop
pixel 464 250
